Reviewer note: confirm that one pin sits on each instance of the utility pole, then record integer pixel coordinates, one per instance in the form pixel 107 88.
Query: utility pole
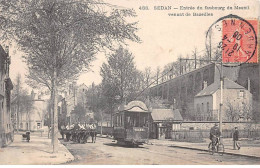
pixel 195 58
pixel 221 97
pixel 210 45
pixel 180 66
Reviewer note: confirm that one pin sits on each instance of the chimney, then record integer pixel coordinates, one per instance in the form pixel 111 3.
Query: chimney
pixel 248 84
pixel 205 84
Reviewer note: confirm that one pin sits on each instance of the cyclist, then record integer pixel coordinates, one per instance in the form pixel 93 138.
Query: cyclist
pixel 214 134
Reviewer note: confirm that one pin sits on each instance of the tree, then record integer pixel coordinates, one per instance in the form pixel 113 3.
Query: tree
pixel 157 75
pixel 147 77
pixel 61 37
pixel 22 100
pixel 26 106
pixel 157 103
pixel 119 78
pixel 120 74
pixel 79 113
pixel 16 97
pixel 232 112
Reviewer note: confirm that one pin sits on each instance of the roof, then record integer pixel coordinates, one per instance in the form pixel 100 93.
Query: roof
pixel 166 115
pixel 228 84
pixel 134 106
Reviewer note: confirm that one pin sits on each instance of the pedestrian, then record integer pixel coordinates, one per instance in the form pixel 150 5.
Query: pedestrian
pixel 235 139
pixel 62 131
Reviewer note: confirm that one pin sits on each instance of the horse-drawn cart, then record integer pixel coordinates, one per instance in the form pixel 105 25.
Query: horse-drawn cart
pixel 80 135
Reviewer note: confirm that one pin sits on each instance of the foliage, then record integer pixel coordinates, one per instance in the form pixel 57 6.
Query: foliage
pixel 234 112
pixel 157 103
pixel 61 37
pixel 79 112
pixel 21 99
pixel 26 102
pixel 64 34
pixel 120 76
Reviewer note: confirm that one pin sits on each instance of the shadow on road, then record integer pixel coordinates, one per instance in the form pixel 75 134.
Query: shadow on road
pixel 122 146
pixel 205 153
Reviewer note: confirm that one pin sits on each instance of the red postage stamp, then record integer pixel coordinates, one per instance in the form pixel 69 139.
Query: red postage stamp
pixel 239 41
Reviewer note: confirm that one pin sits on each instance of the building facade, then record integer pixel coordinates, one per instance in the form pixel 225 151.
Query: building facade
pixel 33 119
pixel 237 102
pixel 6 126
pixel 73 96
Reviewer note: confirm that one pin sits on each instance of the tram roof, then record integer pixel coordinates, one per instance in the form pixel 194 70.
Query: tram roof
pixel 134 106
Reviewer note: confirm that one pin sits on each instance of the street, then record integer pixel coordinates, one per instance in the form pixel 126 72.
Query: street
pixel 106 152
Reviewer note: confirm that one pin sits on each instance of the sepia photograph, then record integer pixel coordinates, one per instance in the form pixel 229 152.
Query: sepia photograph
pixel 129 82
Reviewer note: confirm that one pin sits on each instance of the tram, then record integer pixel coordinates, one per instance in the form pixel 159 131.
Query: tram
pixel 131 124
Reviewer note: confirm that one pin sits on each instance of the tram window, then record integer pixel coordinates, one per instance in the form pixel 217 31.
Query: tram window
pixel 117 120
pixel 144 121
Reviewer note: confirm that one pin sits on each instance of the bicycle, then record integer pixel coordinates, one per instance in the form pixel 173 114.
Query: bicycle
pixel 216 146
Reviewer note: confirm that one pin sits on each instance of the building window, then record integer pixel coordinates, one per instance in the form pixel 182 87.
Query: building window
pixel 241 94
pixel 38 125
pixel 207 107
pixel 198 108
pixel 202 108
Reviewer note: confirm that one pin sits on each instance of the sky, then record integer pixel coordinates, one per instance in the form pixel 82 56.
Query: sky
pixel 164 38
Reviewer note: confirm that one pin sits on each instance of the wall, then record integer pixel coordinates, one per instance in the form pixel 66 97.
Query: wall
pixel 183 88
pixel 226 125
pixel 198 131
pixel 204 113
pixel 6 126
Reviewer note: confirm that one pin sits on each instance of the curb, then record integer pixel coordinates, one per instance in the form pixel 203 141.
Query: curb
pixel 71 157
pixel 228 153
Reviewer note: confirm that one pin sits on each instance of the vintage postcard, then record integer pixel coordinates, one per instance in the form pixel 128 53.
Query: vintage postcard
pixel 129 82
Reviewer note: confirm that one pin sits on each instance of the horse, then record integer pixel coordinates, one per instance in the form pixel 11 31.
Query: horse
pixel 93 134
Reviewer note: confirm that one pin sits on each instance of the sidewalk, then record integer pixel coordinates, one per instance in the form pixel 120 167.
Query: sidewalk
pixel 247 149
pixel 37 152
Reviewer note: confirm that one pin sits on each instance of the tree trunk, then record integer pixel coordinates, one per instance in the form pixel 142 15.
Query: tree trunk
pixel 17 119
pixel 55 114
pixel 101 128
pixel 28 120
pixel 52 113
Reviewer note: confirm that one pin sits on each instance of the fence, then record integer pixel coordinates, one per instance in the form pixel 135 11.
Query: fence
pixel 199 135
